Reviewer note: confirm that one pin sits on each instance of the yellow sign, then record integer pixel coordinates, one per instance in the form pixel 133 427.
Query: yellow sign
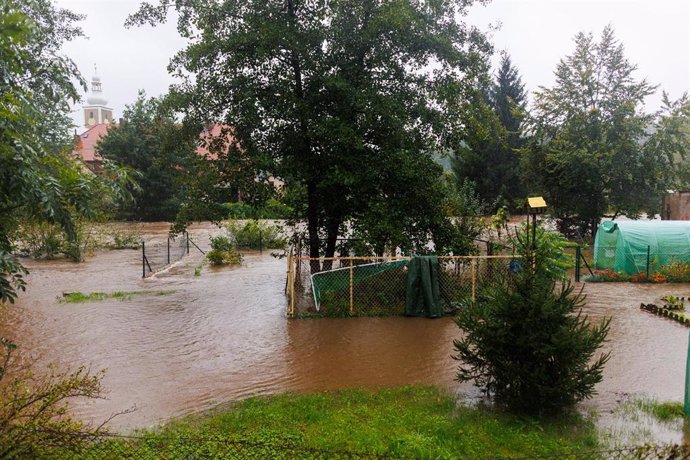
pixel 536 202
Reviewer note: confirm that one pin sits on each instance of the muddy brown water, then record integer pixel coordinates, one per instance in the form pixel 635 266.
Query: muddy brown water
pixel 189 343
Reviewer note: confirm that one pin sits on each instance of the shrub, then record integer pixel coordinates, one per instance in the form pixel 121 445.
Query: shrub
pixel 256 235
pixel 223 252
pixel 222 243
pixel 41 239
pixel 525 342
pixel 218 257
pixel 33 409
pixel 124 240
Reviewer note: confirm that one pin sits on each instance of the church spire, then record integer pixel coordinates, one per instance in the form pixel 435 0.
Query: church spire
pixel 96 110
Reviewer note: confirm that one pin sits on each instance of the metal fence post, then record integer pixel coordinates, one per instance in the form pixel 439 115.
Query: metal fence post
pixel 352 305
pixel 474 279
pixel 168 250
pixel 143 259
pixel 578 254
pixel 648 248
pixel 686 405
pixel 187 233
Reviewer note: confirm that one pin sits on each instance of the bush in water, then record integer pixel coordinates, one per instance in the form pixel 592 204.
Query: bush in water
pixel 256 235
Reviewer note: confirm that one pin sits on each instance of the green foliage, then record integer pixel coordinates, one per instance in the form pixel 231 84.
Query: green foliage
pixel 552 247
pixel 80 297
pixel 39 181
pixel 11 277
pixel 592 139
pixel 486 151
pixel 340 99
pixel 407 422
pixel 218 257
pixel 222 252
pixel 33 409
pixel 125 240
pixel 150 141
pixel 525 342
pixel 41 239
pixel 255 234
pixel 271 209
pixel 222 243
pixel 466 208
pixel 663 411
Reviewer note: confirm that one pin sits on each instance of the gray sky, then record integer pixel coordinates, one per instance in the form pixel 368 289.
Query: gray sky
pixel 536 33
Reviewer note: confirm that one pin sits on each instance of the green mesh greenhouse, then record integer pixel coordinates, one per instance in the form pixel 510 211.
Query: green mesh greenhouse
pixel 627 246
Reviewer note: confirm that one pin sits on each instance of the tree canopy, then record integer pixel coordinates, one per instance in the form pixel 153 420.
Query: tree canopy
pixel 487 150
pixel 328 95
pixel 595 151
pixel 38 178
pixel 149 141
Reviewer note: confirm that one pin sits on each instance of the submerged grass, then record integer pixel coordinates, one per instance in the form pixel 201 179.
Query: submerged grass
pixel 80 297
pixel 413 421
pixel 662 411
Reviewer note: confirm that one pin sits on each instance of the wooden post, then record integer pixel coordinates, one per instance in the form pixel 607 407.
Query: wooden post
pixel 291 288
pixel 474 279
pixel 287 273
pixel 352 305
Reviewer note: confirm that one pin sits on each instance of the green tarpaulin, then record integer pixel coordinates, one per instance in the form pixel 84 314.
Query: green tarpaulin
pixel 423 293
pixel 622 246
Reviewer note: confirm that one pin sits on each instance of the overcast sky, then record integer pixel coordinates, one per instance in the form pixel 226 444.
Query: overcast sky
pixel 536 34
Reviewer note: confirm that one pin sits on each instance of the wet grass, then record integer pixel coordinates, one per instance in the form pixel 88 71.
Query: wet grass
pixel 662 411
pixel 406 422
pixel 80 297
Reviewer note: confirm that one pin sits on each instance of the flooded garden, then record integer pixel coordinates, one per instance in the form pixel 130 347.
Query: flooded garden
pixel 174 343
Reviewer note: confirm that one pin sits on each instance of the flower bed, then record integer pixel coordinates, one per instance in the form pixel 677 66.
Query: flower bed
pixel 675 272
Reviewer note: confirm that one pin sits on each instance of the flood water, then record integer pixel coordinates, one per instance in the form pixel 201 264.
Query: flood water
pixel 187 343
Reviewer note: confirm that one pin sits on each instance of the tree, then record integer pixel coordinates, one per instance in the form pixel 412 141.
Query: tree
pixel 39 180
pixel 328 92
pixel 525 342
pixel 149 141
pixel 595 151
pixel 488 151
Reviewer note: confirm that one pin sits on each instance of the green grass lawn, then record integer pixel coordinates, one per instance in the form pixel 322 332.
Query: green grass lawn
pixel 407 422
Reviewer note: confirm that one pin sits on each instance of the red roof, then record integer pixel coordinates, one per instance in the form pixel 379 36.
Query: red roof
pixel 86 142
pixel 215 133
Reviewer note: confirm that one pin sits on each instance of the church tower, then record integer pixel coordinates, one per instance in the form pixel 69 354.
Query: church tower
pixel 95 110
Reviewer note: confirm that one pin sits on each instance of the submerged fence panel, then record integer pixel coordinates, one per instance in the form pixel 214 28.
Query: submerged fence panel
pixel 377 286
pixel 157 255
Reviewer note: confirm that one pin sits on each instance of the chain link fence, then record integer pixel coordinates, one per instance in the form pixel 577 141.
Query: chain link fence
pixel 377 286
pixel 158 446
pixel 156 255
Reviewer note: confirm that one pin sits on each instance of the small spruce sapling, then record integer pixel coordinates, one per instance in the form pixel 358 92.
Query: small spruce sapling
pixel 526 342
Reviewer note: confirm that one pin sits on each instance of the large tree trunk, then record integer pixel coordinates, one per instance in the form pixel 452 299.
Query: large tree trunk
pixel 331 241
pixel 313 226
